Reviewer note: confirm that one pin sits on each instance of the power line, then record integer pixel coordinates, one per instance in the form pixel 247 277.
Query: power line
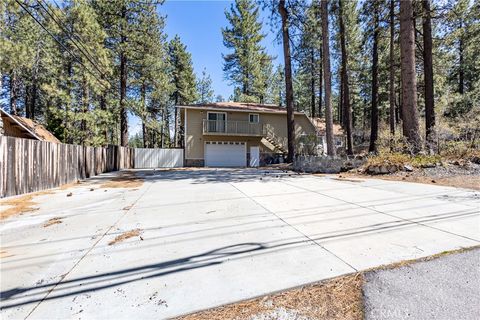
pixel 60 43
pixel 88 56
pixel 77 36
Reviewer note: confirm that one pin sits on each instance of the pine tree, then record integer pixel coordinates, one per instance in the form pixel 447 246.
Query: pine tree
pixel 345 81
pixel 327 79
pixel 288 80
pixel 428 71
pixel 204 88
pixel 409 82
pixel 248 65
pixel 374 99
pixel 183 79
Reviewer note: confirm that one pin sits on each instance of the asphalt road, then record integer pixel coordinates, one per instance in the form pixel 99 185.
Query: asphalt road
pixel 444 288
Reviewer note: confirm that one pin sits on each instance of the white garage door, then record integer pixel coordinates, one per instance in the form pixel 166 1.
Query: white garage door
pixel 225 154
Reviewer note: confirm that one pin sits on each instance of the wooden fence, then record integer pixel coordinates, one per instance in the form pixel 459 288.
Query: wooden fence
pixel 30 165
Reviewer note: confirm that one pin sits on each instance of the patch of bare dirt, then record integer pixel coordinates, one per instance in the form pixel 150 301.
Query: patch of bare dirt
pixel 339 298
pixel 126 179
pixel 5 254
pixel 124 236
pixel 452 175
pixel 70 185
pixel 20 205
pixel 342 178
pixel 53 221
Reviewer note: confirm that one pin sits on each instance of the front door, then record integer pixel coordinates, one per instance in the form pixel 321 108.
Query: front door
pixel 254 156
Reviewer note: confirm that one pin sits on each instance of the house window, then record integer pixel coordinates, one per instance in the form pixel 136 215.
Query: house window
pixel 216 121
pixel 253 118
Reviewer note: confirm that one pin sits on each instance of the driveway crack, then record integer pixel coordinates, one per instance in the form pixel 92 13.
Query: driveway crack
pixel 381 212
pixel 63 276
pixel 294 228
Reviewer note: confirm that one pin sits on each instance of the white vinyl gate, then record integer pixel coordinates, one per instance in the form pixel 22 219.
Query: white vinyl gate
pixel 158 158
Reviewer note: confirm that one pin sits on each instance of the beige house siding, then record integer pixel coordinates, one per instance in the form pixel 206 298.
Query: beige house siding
pixel 195 140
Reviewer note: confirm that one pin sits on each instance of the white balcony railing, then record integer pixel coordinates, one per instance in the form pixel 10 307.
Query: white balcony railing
pixel 222 127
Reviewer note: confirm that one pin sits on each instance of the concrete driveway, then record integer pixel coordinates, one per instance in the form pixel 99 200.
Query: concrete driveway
pixel 211 237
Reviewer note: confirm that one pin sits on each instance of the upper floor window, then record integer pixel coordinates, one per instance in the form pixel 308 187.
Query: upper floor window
pixel 254 118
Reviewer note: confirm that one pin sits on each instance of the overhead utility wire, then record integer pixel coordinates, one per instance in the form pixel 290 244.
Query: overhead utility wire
pixel 60 43
pixel 88 56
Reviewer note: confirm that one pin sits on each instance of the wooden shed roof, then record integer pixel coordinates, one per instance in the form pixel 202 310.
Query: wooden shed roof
pixel 29 128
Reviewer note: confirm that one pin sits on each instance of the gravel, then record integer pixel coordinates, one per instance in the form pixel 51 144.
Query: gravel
pixel 443 288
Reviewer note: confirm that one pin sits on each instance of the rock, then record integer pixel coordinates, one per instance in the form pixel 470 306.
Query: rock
pixel 408 168
pixel 392 168
pixel 384 169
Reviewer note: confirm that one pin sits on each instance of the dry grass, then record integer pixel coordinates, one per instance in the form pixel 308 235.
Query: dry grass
pixel 339 298
pixel 124 236
pixel 5 254
pixel 341 178
pixel 459 181
pixel 336 299
pixel 69 185
pixel 20 205
pixel 125 179
pixel 52 221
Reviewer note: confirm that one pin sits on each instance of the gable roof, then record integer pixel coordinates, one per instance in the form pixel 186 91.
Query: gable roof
pixel 28 127
pixel 239 106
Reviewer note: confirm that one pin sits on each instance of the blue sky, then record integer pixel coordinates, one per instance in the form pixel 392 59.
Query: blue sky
pixel 199 23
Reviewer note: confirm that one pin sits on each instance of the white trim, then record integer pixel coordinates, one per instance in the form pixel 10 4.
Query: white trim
pixel 254 114
pixel 208 112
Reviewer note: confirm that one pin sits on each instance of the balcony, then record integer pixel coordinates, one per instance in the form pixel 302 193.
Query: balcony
pixel 236 128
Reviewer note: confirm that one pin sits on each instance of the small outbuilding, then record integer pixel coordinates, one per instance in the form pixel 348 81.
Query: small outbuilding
pixel 20 127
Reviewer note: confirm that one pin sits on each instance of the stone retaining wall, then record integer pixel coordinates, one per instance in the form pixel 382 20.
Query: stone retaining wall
pixel 325 164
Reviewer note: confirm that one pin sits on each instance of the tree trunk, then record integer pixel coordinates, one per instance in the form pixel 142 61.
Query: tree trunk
pixel 346 89
pixel 103 107
pixel 123 85
pixel 461 77
pixel 374 113
pixel 320 85
pixel 83 123
pixel 428 71
pixel 409 81
pixel 143 93
pixel 392 69
pixel 312 82
pixel 340 101
pixel 327 80
pixel 288 81
pixel 13 93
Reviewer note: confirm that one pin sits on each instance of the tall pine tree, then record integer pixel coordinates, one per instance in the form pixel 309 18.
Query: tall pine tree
pixel 248 65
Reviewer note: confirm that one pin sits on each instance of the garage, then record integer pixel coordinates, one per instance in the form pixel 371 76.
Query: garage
pixel 225 154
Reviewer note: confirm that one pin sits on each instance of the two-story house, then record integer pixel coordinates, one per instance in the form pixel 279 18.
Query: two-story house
pixel 232 134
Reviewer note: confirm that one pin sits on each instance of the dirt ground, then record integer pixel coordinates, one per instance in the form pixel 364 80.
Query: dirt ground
pixel 19 205
pixel 335 299
pixel 126 179
pixel 459 176
pixel 339 298
pixel 124 236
